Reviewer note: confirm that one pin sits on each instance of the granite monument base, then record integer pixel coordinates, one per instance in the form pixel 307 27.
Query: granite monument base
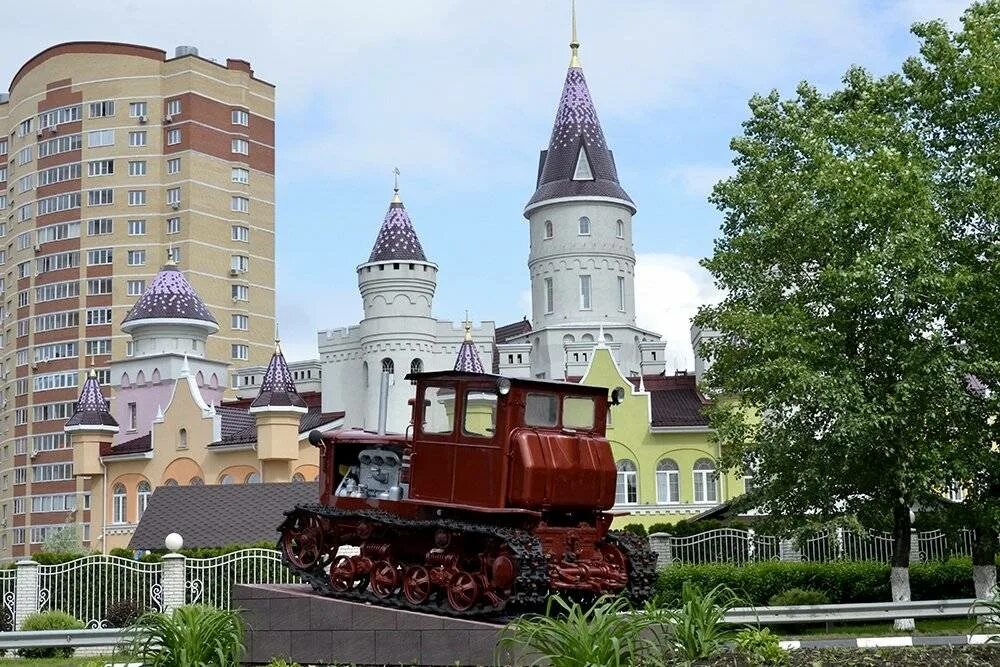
pixel 292 622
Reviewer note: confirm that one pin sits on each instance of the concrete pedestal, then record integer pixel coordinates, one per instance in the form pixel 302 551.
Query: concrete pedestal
pixel 292 622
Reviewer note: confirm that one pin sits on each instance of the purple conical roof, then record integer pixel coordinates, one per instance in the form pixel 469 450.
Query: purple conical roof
pixel 91 408
pixel 468 360
pixel 397 239
pixel 278 387
pixel 576 127
pixel 170 295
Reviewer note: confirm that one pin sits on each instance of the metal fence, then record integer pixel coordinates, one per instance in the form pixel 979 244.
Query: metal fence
pixel 210 580
pixel 733 545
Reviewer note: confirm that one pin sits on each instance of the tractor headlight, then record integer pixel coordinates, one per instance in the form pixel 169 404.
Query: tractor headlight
pixel 503 386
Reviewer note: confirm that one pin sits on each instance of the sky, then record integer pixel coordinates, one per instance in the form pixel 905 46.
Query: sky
pixel 461 96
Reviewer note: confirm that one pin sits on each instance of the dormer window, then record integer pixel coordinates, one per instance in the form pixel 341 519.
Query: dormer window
pixel 582 172
pixel 584 226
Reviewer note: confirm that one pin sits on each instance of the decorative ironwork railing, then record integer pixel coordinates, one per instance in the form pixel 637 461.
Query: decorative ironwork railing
pixel 210 580
pixel 8 597
pixel 725 545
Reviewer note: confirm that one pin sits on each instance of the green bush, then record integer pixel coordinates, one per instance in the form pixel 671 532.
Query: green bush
pixel 635 529
pixel 50 620
pixel 661 528
pixel 281 662
pixel 122 552
pixel 798 596
pixel 123 613
pixel 191 635
pixel 842 581
pixel 759 646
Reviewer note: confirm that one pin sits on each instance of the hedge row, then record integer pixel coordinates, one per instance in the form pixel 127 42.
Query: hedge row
pixel 842 581
pixel 980 655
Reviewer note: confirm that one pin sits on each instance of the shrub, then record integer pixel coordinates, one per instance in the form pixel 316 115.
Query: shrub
pixel 760 647
pixel 191 635
pixel 635 529
pixel 567 635
pixel 50 620
pixel 122 552
pixel 123 613
pixel 281 662
pixel 661 528
pixel 696 630
pixel 798 596
pixel 842 581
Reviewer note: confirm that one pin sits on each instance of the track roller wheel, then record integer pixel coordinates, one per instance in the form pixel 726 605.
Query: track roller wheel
pixel 342 574
pixel 302 541
pixel 384 579
pixel 417 585
pixel 463 591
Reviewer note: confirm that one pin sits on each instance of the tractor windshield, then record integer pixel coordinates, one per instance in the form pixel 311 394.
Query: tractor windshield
pixel 544 410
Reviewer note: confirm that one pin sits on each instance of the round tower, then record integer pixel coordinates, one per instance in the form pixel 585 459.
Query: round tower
pixel 398 331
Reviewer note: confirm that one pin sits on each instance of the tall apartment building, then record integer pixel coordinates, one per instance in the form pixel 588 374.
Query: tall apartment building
pixel 111 157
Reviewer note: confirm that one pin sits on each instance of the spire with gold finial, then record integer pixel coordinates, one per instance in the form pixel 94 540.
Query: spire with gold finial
pixel 574 44
pixel 395 187
pixel 277 389
pixel 468 360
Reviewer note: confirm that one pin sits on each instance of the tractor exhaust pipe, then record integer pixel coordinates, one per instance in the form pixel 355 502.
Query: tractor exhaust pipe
pixel 383 402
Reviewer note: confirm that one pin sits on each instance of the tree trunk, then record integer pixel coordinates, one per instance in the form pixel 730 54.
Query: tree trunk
pixel 984 569
pixel 899 574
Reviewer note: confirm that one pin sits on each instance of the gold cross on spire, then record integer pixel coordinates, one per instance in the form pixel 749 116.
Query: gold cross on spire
pixel 574 44
pixel 468 327
pixel 395 186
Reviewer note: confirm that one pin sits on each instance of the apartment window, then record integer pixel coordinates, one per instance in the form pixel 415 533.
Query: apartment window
pixel 24 240
pixel 3 146
pixel 70 142
pixel 136 257
pixel 65 230
pixel 241 233
pixel 549 295
pixel 241 175
pixel 136 139
pixel 24 155
pixel 21 388
pixel 241 117
pixel 137 109
pixel 99 346
pixel 239 263
pixel 173 165
pixel 241 292
pixel 21 357
pixel 585 292
pixel 21 414
pixel 22 327
pixel 240 204
pixel 98 138
pixel 24 213
pixel 58 174
pixel 173 136
pixel 55 291
pixel 24 128
pixel 137 168
pixel 51 321
pixel 96 286
pixel 50 411
pixel 173 225
pixel 54 380
pixel 59 203
pixel 63 260
pixel 102 109
pixel 173 196
pixel 241 146
pixel 23 299
pixel 241 322
pixel 174 254
pixel 136 287
pixel 100 167
pixel 25 183
pixel 99 256
pixel 118 500
pixel 239 351
pixel 96 316
pixel 136 197
pixel 173 107
pixel 55 117
pixel 3 173
pixel 20 475
pixel 101 197
pixel 99 226
pixel 55 351
pixel 23 270
pixel 621 293
pixel 136 227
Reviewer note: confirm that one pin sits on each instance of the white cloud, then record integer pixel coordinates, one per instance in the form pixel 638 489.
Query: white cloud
pixel 668 291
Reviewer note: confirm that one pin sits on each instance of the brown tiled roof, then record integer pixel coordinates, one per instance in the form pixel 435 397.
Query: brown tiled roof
pixel 674 400
pixel 248 433
pixel 144 443
pixel 506 333
pixel 219 514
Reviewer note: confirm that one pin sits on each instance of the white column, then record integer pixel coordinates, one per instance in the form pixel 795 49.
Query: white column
pixel 174 594
pixel 26 591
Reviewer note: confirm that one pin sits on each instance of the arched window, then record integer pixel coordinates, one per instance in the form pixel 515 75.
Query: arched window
pixel 252 478
pixel 118 499
pixel 668 482
pixel 584 226
pixel 608 338
pixel 125 381
pixel 196 481
pixel 226 479
pixel 620 229
pixel 706 482
pixel 298 477
pixel 388 366
pixel 417 366
pixel 587 338
pixel 568 339
pixel 182 439
pixel 627 489
pixel 170 482
pixel 548 229
pixel 364 373
pixel 144 491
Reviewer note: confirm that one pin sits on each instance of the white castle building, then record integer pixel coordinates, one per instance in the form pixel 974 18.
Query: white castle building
pixel 581 259
pixel 398 334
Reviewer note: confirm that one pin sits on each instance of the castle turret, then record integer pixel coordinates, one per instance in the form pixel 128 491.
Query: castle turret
pixel 277 409
pixel 468 359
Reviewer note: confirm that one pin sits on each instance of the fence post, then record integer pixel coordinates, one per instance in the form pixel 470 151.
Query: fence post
pixel 25 591
pixel 660 544
pixel 788 551
pixel 174 580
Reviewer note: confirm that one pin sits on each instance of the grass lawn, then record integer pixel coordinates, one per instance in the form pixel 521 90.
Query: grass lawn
pixel 944 626
pixel 73 661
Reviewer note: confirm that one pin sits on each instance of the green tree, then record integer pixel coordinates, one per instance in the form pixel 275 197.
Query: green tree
pixel 955 105
pixel 63 540
pixel 833 261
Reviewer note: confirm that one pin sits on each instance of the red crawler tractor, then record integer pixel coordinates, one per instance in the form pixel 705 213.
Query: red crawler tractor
pixel 499 498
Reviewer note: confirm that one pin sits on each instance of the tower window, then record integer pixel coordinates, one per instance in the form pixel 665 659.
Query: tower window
pixel 621 293
pixel 388 366
pixel 584 226
pixel 548 229
pixel 549 296
pixel 585 292
pixel 620 226
pixel 416 366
